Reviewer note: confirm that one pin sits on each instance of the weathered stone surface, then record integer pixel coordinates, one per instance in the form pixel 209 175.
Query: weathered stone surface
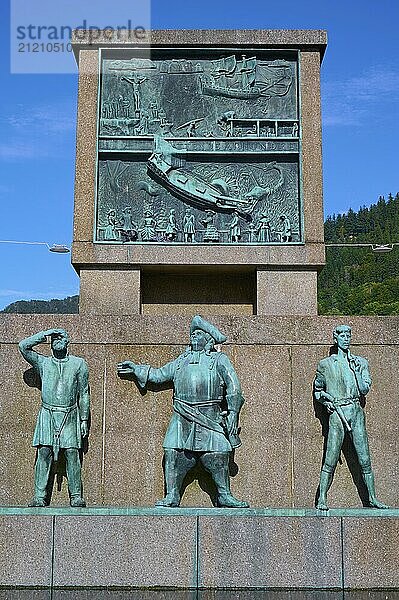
pixel 135 427
pixel 270 595
pixel 312 176
pixel 142 329
pixel 372 594
pixel 25 551
pixel 110 292
pixel 27 594
pixel 86 146
pixel 286 292
pixel 265 454
pixel 123 595
pixel 371 542
pixel 200 257
pixel 271 553
pixel 271 37
pixel 125 551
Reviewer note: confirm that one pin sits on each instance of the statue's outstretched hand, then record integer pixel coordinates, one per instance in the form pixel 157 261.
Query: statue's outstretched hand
pixel 127 366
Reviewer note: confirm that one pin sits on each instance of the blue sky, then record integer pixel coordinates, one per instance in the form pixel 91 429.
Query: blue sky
pixel 360 100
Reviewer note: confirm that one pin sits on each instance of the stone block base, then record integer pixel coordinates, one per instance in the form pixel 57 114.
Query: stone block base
pixel 201 549
pixel 109 292
pixel 238 293
pixel 284 293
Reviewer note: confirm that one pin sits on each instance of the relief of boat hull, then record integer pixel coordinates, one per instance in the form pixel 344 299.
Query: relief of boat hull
pixel 194 190
pixel 252 93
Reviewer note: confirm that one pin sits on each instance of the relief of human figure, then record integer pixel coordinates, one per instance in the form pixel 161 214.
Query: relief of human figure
pixel 211 233
pixel 342 381
pixel 110 229
pixel 129 231
pixel 207 400
pixel 63 418
pixel 285 229
pixel 189 226
pixel 171 228
pixel 235 229
pixel 263 229
pixel 148 227
pixel 135 81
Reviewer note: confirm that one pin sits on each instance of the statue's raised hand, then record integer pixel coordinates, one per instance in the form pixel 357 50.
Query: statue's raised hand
pixel 126 367
pixel 49 332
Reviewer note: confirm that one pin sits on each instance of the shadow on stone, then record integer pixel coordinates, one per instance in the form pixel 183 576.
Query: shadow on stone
pixel 32 379
pixel 204 480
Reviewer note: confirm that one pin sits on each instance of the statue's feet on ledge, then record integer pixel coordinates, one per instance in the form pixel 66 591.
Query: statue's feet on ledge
pixel 228 501
pixel 374 503
pixel 322 505
pixel 37 502
pixel 77 502
pixel 169 500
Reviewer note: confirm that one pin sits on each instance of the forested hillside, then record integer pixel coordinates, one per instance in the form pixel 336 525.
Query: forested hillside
pixel 66 306
pixel 358 281
pixel 355 281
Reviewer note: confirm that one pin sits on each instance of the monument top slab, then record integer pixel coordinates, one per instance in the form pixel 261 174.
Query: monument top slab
pixel 298 38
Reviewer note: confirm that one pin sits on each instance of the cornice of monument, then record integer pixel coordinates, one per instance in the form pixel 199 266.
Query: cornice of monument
pixel 306 39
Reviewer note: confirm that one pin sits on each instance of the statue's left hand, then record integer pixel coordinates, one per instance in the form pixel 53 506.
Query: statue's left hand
pixel 232 423
pixel 355 364
pixel 84 429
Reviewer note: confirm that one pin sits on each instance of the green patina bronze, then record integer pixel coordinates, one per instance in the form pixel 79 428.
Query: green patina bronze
pixel 207 400
pixel 62 422
pixel 186 133
pixel 341 384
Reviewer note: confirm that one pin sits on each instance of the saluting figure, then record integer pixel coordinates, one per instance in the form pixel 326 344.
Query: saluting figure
pixel 63 417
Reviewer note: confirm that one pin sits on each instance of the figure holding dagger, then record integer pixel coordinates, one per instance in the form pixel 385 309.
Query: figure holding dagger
pixel 342 381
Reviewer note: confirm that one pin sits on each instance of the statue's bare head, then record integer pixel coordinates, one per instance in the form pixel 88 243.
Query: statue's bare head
pixel 59 341
pixel 342 336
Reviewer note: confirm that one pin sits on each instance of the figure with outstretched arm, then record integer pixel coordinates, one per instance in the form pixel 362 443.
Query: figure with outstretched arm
pixel 207 400
pixel 63 418
pixel 341 381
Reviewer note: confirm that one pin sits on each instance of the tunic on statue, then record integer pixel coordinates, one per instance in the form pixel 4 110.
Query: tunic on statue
pixel 205 384
pixel 64 404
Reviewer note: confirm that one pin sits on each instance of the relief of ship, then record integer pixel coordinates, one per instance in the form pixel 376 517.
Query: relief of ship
pixel 167 165
pixel 248 78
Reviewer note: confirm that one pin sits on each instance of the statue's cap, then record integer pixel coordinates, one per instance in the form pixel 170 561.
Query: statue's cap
pixel 199 323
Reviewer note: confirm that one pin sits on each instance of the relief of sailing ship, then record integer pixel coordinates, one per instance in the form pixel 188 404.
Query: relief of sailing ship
pixel 248 78
pixel 167 165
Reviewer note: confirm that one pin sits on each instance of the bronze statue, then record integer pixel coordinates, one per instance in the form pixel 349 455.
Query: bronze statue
pixel 63 417
pixel 342 381
pixel 207 400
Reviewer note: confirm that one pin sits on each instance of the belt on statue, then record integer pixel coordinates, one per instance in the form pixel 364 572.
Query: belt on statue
pixel 344 401
pixel 200 402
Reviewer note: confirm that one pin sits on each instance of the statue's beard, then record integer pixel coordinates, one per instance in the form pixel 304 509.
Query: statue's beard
pixel 196 347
